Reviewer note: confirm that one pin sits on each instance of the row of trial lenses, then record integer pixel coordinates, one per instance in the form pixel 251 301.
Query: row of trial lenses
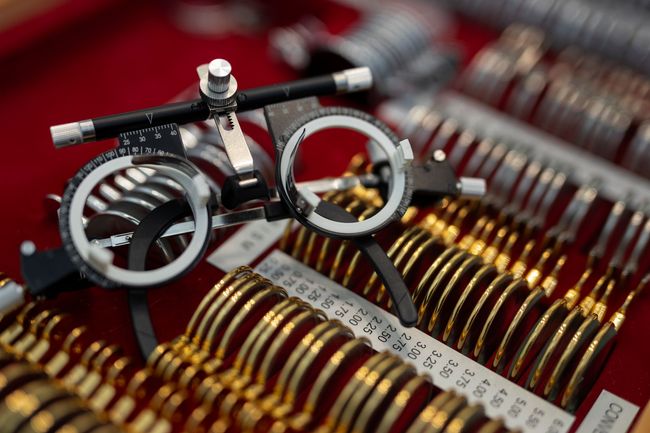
pixel 394 41
pixel 120 203
pixel 592 103
pixel 489 257
pixel 621 34
pixel 278 364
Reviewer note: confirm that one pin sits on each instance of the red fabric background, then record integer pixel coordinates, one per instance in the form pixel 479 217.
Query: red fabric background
pixel 92 58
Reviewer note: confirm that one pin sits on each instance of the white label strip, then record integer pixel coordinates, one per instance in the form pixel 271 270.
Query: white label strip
pixel 243 247
pixel 449 369
pixel 609 414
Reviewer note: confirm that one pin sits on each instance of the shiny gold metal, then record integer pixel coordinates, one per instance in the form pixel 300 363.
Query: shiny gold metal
pixel 136 390
pixel 117 375
pixel 95 376
pixel 432 308
pixel 407 250
pixel 34 327
pixel 197 329
pixel 73 344
pixel 571 395
pixel 423 248
pixel 243 303
pixel 174 406
pixel 478 247
pixel 16 373
pixel 485 274
pixel 504 258
pixel 587 329
pixel 307 320
pixel 572 320
pixel 545 289
pixel 442 417
pixel 521 264
pixel 297 380
pixel 420 423
pixel 148 417
pixel 272 294
pixel 357 420
pixel 221 318
pixel 545 325
pixel 516 286
pixel 18 327
pixel 82 423
pixel 286 236
pixel 74 377
pixel 492 426
pixel 210 394
pixel 47 418
pixel 450 232
pixel 267 338
pixel 303 232
pixel 23 403
pixel 350 350
pixel 231 298
pixel 416 392
pixel 406 237
pixel 469 266
pixel 53 335
pixel 344 246
pixel 494 286
pixel 471 237
pixel 491 252
pixel 357 390
pixel 465 419
pixel 242 360
pixel 535 274
pixel 209 298
pixel 277 402
pixel 420 292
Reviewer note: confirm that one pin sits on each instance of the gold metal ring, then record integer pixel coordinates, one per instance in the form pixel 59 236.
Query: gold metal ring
pixel 252 307
pixel 467 268
pixel 426 415
pixel 572 321
pixel 419 293
pixel 486 273
pixel 307 320
pixel 493 287
pixel 511 290
pixel 431 307
pixel 357 389
pixel 467 418
pixel 323 344
pixel 545 326
pixel 448 410
pixel 413 397
pixel 209 298
pixel 585 332
pixel 383 391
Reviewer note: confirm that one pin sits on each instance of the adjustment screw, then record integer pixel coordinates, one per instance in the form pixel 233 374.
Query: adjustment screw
pixel 439 155
pixel 219 75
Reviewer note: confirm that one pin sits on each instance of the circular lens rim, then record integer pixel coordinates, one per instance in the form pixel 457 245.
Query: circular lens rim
pixel 78 246
pixel 398 158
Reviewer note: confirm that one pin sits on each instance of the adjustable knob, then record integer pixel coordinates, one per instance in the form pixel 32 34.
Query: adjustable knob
pixel 219 75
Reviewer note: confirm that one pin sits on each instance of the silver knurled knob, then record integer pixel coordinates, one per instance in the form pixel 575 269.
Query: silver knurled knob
pixel 219 75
